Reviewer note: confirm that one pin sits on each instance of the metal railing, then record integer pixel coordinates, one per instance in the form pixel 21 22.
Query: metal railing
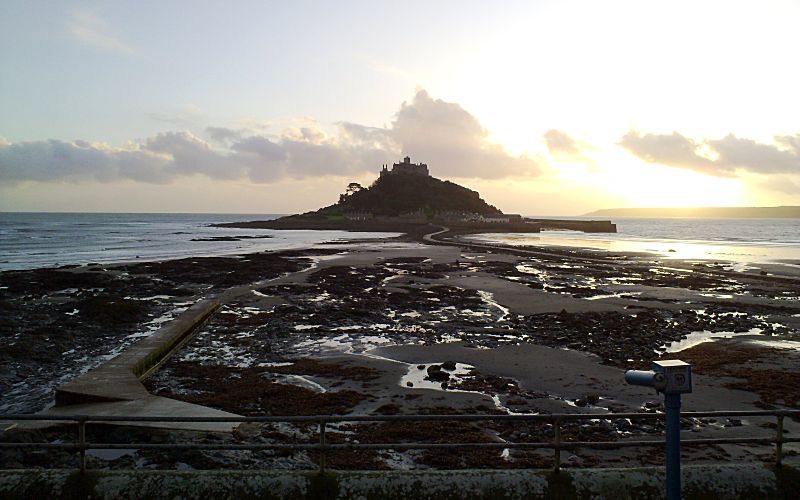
pixel 557 444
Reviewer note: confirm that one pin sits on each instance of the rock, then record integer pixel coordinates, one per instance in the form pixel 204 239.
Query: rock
pixel 409 384
pixel 580 402
pixel 500 385
pixel 449 365
pixel 247 431
pixel 575 460
pixel 593 399
pixel 420 367
pixel 111 310
pixel 438 376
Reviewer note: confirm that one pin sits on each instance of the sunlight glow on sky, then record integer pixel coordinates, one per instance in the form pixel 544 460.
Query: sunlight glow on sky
pixel 544 107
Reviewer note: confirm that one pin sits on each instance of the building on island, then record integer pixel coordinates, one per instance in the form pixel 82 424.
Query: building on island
pixel 358 215
pixel 406 167
pixel 502 219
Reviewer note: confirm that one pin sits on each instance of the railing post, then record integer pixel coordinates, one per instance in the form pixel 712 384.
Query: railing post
pixel 82 443
pixel 779 442
pixel 556 445
pixel 322 426
pixel 672 405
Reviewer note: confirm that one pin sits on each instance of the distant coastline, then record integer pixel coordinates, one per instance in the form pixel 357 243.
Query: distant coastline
pixel 785 212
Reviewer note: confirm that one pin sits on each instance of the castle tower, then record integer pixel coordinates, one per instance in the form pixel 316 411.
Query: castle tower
pixel 406 167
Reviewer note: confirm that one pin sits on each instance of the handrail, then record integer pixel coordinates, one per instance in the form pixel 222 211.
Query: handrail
pixel 557 444
pixel 379 418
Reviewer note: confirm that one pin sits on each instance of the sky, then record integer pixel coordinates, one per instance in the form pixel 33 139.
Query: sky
pixel 544 107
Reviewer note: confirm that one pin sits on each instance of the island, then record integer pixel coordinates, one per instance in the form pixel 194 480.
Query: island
pixel 406 198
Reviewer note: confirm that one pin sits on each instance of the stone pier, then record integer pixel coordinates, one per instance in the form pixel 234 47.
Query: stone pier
pixel 115 387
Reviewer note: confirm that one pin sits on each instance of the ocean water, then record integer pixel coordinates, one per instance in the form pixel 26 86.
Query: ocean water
pixel 737 240
pixel 33 240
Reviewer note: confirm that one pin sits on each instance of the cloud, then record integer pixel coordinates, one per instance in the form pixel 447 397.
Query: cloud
pixel 781 157
pixel 223 134
pixel 452 141
pixel 781 184
pixel 723 157
pixel 170 155
pixel 562 146
pixel 54 160
pixel 442 134
pixel 254 125
pixel 90 29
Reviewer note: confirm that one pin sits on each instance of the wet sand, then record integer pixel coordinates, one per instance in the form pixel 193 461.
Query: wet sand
pixel 370 328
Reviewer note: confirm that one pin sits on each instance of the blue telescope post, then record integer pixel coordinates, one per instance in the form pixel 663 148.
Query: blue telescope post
pixel 672 377
pixel 672 406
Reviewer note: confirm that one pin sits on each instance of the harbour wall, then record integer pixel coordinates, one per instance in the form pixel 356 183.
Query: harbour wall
pixel 699 482
pixel 587 226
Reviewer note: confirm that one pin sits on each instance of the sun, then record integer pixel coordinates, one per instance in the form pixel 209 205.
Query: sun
pixel 638 184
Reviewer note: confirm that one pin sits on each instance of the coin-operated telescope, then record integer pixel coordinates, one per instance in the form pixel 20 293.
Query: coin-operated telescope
pixel 671 377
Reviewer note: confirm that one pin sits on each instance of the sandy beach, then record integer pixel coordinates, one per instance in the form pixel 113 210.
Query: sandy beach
pixel 396 325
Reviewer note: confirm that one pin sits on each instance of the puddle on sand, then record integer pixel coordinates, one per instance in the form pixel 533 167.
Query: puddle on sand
pixel 345 343
pixel 696 338
pixel 780 344
pixel 300 328
pixel 317 259
pixel 109 455
pixel 529 269
pixel 488 298
pixel 297 380
pixel 619 295
pixel 417 376
pixel 717 295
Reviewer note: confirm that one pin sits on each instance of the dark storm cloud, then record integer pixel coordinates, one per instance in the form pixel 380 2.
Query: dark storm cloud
pixel 442 134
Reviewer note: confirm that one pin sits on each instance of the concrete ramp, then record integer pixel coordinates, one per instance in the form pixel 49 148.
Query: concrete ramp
pixel 149 406
pixel 115 387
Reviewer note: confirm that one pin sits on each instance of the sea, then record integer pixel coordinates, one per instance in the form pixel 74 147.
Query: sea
pixel 733 240
pixel 34 240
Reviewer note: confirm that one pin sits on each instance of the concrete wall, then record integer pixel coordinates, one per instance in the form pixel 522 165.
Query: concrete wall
pixel 587 226
pixel 700 482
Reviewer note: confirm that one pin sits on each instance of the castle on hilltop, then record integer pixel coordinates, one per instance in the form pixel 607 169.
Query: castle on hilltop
pixel 407 168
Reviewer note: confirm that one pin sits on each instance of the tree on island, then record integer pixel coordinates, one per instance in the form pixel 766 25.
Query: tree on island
pixel 352 188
